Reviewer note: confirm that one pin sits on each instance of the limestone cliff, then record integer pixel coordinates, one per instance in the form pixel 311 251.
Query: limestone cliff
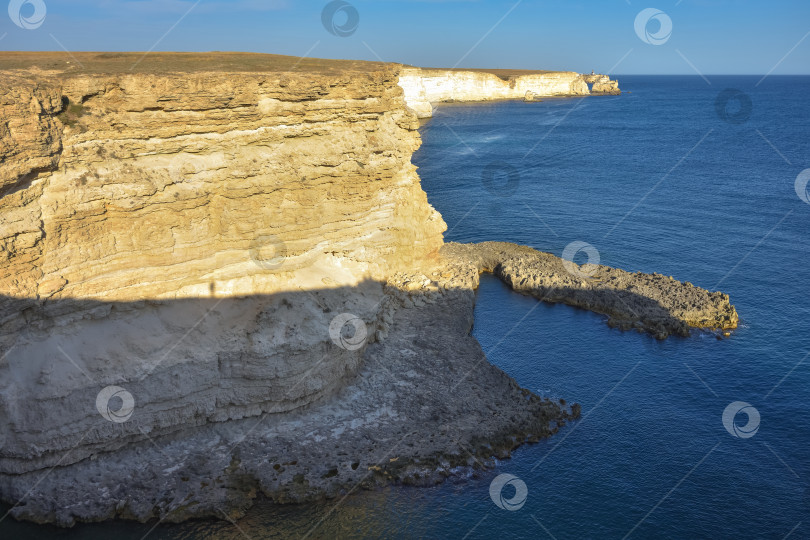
pixel 601 84
pixel 424 87
pixel 208 186
pixel 221 279
pixel 125 187
pixel 207 270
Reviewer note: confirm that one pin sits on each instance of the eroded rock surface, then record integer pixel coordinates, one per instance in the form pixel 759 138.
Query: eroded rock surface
pixel 654 303
pixel 159 186
pixel 424 404
pixel 602 84
pixel 190 236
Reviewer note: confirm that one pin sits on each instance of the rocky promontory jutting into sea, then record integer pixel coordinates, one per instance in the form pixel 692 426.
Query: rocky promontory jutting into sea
pixel 221 279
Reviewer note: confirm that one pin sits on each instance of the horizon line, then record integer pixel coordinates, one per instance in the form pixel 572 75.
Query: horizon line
pixel 427 67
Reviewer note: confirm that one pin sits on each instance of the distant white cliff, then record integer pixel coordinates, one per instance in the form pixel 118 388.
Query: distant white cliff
pixel 424 87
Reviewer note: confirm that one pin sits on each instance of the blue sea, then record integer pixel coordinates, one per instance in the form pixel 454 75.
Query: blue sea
pixel 683 176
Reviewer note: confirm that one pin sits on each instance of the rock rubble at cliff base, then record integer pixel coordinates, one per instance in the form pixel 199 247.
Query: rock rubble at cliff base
pixel 423 405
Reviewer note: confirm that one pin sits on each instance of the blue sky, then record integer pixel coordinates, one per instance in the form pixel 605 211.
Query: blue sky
pixel 710 36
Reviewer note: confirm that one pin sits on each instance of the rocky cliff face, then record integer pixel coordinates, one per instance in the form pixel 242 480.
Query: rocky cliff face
pixel 220 278
pixel 601 84
pixel 163 187
pixel 423 87
pixel 209 187
pixel 206 283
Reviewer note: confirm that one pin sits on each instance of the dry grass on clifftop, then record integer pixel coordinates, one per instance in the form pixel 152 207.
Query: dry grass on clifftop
pixel 168 62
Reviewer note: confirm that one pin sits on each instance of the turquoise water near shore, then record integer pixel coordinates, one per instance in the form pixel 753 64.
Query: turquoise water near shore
pixel 657 181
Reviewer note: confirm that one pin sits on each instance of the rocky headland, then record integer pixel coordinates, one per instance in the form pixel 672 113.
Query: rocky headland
pixel 222 280
pixel 653 303
pixel 426 87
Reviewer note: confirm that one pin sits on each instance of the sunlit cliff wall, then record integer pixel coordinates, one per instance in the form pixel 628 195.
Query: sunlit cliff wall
pixel 423 87
pixel 190 237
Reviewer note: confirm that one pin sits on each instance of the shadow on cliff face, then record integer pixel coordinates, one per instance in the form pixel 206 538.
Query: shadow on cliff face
pixel 204 397
pixel 167 407
pixel 82 376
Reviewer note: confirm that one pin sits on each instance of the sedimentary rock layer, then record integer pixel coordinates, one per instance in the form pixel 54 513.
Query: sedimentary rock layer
pixel 191 236
pixel 425 404
pixel 150 185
